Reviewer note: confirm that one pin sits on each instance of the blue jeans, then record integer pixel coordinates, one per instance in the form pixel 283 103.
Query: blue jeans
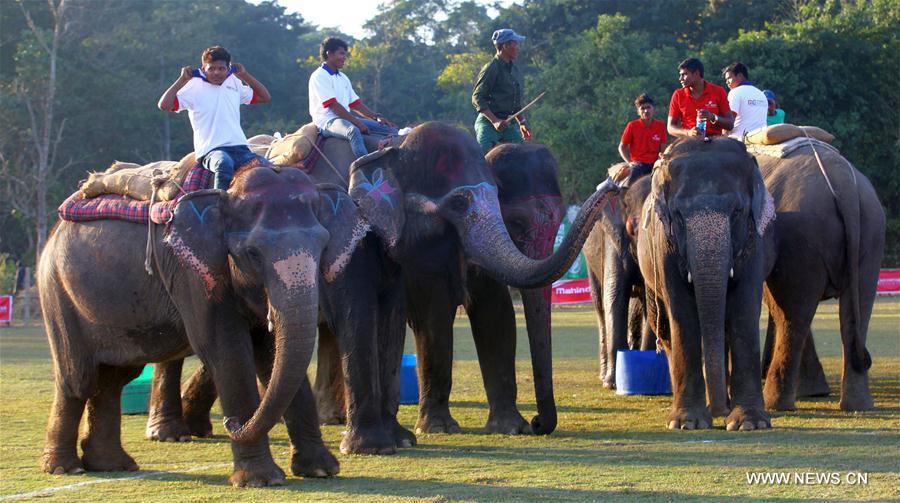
pixel 223 160
pixel 342 128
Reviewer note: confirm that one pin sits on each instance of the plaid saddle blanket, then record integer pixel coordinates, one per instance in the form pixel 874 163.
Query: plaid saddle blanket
pixel 116 207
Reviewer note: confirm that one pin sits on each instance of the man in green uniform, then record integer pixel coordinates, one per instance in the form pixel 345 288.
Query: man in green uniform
pixel 498 94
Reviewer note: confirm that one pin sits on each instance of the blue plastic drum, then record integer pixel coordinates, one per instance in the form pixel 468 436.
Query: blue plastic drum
pixel 409 381
pixel 642 373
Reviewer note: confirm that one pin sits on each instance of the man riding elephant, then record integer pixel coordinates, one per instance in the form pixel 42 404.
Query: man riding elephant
pixel 498 94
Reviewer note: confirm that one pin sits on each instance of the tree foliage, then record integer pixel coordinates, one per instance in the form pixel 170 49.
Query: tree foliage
pixel 831 63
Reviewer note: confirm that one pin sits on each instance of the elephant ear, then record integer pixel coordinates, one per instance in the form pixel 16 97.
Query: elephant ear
pixel 196 236
pixel 659 204
pixel 346 227
pixel 762 204
pixel 375 190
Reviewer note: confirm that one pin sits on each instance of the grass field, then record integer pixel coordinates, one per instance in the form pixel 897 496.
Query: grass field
pixel 606 447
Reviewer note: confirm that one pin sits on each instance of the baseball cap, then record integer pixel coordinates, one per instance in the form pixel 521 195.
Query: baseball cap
pixel 769 95
pixel 506 35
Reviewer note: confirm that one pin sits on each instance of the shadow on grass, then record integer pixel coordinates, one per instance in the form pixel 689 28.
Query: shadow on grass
pixel 360 487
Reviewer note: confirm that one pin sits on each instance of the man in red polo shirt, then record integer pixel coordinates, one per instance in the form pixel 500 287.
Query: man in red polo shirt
pixel 642 140
pixel 698 98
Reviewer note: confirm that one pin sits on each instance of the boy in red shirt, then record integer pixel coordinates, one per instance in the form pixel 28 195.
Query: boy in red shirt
pixel 698 98
pixel 642 140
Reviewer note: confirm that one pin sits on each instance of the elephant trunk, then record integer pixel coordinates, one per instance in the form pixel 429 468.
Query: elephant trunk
pixel 709 260
pixel 294 330
pixel 487 242
pixel 537 320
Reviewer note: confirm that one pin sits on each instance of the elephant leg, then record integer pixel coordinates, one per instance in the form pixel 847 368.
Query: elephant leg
pixel 431 312
pixel 768 346
pixel 197 398
pixel 60 453
pixel 792 319
pixel 164 420
pixel 391 338
pixel 102 445
pixel 812 376
pixel 597 299
pixel 616 299
pixel 493 322
pixel 351 305
pixel 742 333
pixel 636 316
pixel 309 456
pixel 329 386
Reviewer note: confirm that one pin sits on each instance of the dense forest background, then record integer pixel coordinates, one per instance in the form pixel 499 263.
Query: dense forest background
pixel 79 79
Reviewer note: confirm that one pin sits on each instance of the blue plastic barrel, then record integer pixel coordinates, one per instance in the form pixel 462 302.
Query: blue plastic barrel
pixel 409 381
pixel 642 373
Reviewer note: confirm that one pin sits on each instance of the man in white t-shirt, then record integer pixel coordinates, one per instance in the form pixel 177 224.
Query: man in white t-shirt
pixel 331 99
pixel 748 104
pixel 213 97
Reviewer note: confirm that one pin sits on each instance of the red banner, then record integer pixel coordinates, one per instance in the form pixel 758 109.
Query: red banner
pixel 889 282
pixel 5 308
pixel 571 291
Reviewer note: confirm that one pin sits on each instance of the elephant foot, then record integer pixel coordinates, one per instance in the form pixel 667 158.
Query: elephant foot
pixel 813 389
pixel 509 422
pixel 99 458
pixel 747 419
pixel 855 395
pixel 332 417
pixel 778 400
pixel 166 429
pixel 609 381
pixel 436 422
pixel 59 463
pixel 198 423
pixel 695 418
pixel 856 403
pixel 368 441
pixel 314 460
pixel 402 436
pixel 256 473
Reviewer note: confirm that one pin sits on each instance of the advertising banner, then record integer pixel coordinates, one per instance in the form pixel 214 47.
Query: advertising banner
pixel 573 287
pixel 6 308
pixel 889 282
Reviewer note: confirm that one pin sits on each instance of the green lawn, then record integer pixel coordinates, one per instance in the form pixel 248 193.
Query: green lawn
pixel 605 447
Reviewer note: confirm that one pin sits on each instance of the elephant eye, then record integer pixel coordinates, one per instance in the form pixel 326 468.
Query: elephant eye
pixel 459 203
pixel 254 256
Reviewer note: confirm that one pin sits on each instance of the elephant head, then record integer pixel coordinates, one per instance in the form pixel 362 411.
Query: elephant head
pixel 439 177
pixel 274 232
pixel 713 210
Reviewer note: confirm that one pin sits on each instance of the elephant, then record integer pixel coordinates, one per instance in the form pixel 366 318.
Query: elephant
pixel 617 287
pixel 532 209
pixel 434 189
pixel 830 245
pixel 230 268
pixel 705 247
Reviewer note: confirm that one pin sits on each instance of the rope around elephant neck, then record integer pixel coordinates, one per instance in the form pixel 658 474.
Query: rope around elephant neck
pixel 338 173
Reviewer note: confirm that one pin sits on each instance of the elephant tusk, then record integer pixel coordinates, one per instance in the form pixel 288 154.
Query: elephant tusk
pixel 269 320
pixel 690 280
pixel 731 273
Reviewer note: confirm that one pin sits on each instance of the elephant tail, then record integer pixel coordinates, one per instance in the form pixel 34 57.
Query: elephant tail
pixel 848 206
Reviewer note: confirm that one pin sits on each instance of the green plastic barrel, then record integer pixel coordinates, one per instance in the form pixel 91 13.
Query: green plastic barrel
pixel 136 394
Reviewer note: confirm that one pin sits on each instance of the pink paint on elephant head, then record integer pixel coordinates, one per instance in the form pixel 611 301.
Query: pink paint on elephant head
pixel 768 214
pixel 190 260
pixel 333 269
pixel 297 270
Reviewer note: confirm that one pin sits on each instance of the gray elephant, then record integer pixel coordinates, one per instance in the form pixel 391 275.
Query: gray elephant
pixel 704 249
pixel 617 287
pixel 830 245
pixel 434 190
pixel 231 267
pixel 531 205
